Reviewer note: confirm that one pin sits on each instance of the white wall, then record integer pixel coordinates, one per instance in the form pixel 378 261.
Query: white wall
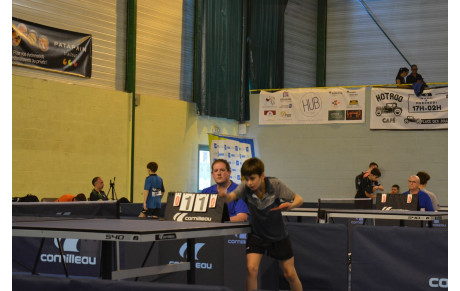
pixel 321 161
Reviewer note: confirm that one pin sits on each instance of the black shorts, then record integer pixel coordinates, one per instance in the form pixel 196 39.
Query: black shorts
pixel 280 250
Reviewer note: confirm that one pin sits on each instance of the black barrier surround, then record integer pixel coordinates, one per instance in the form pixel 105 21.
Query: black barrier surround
pixel 320 257
pixel 399 258
pixel 36 283
pixel 76 209
pixel 186 206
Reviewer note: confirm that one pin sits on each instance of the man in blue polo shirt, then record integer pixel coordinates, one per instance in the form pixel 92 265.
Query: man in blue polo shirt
pixel 424 201
pixel 220 171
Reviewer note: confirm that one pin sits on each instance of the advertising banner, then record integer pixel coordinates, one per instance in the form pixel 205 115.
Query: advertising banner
pixel 312 106
pixel 402 109
pixel 82 257
pixel 233 149
pixel 51 49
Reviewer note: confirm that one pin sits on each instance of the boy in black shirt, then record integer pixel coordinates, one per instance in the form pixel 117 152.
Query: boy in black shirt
pixel 268 233
pixel 369 185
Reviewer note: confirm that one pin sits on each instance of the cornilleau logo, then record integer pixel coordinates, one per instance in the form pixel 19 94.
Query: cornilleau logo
pixel 69 245
pixel 179 216
pixel 438 283
pixel 183 217
pixel 183 250
pixel 240 239
pixel 198 265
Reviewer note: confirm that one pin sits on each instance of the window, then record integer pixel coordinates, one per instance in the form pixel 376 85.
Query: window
pixel 204 167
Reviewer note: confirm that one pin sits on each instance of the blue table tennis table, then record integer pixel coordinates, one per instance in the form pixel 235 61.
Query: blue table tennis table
pixel 110 231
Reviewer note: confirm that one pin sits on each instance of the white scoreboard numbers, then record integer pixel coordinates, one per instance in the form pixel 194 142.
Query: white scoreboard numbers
pixel 184 206
pixel 186 203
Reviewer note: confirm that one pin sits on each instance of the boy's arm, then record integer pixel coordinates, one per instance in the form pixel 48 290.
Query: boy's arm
pixel 298 201
pixel 146 194
pixel 371 195
pixel 379 187
pixel 290 205
pixel 240 217
pixel 228 197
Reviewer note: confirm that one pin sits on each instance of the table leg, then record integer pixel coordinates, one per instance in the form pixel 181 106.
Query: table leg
pixel 191 260
pixel 106 260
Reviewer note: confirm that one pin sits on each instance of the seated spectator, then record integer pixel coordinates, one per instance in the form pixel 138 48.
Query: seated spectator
pixel 71 198
pixel 394 189
pixel 424 177
pixel 221 171
pixel 424 201
pixel 97 193
pixel 124 200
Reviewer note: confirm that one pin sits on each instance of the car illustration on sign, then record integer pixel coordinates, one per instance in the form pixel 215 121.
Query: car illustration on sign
pixel 388 108
pixel 411 119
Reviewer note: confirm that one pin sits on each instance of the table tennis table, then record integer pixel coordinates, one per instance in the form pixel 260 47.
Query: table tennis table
pixel 306 212
pixel 401 215
pixel 110 231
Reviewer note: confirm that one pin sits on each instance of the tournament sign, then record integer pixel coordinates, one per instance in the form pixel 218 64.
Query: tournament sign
pixel 185 206
pixel 51 49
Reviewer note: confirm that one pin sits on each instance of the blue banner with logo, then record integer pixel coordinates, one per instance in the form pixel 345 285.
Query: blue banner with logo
pixel 47 48
pixel 399 258
pixel 82 257
pixel 219 260
pixel 233 149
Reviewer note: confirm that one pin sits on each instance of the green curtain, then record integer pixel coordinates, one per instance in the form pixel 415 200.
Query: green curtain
pixel 236 42
pixel 266 43
pixel 220 86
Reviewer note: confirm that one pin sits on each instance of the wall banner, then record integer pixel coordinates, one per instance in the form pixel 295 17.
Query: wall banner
pixel 312 106
pixel 402 109
pixel 51 49
pixel 233 149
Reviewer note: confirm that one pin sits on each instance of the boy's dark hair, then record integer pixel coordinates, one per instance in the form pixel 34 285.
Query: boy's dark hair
pixel 373 164
pixel 252 166
pixel 123 200
pixel 376 172
pixel 80 197
pixel 94 180
pixel 28 198
pixel 152 166
pixel 424 177
pixel 227 165
pixel 395 185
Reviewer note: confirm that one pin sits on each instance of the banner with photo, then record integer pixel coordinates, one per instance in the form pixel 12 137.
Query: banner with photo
pixel 312 106
pixel 51 49
pixel 233 149
pixel 402 109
